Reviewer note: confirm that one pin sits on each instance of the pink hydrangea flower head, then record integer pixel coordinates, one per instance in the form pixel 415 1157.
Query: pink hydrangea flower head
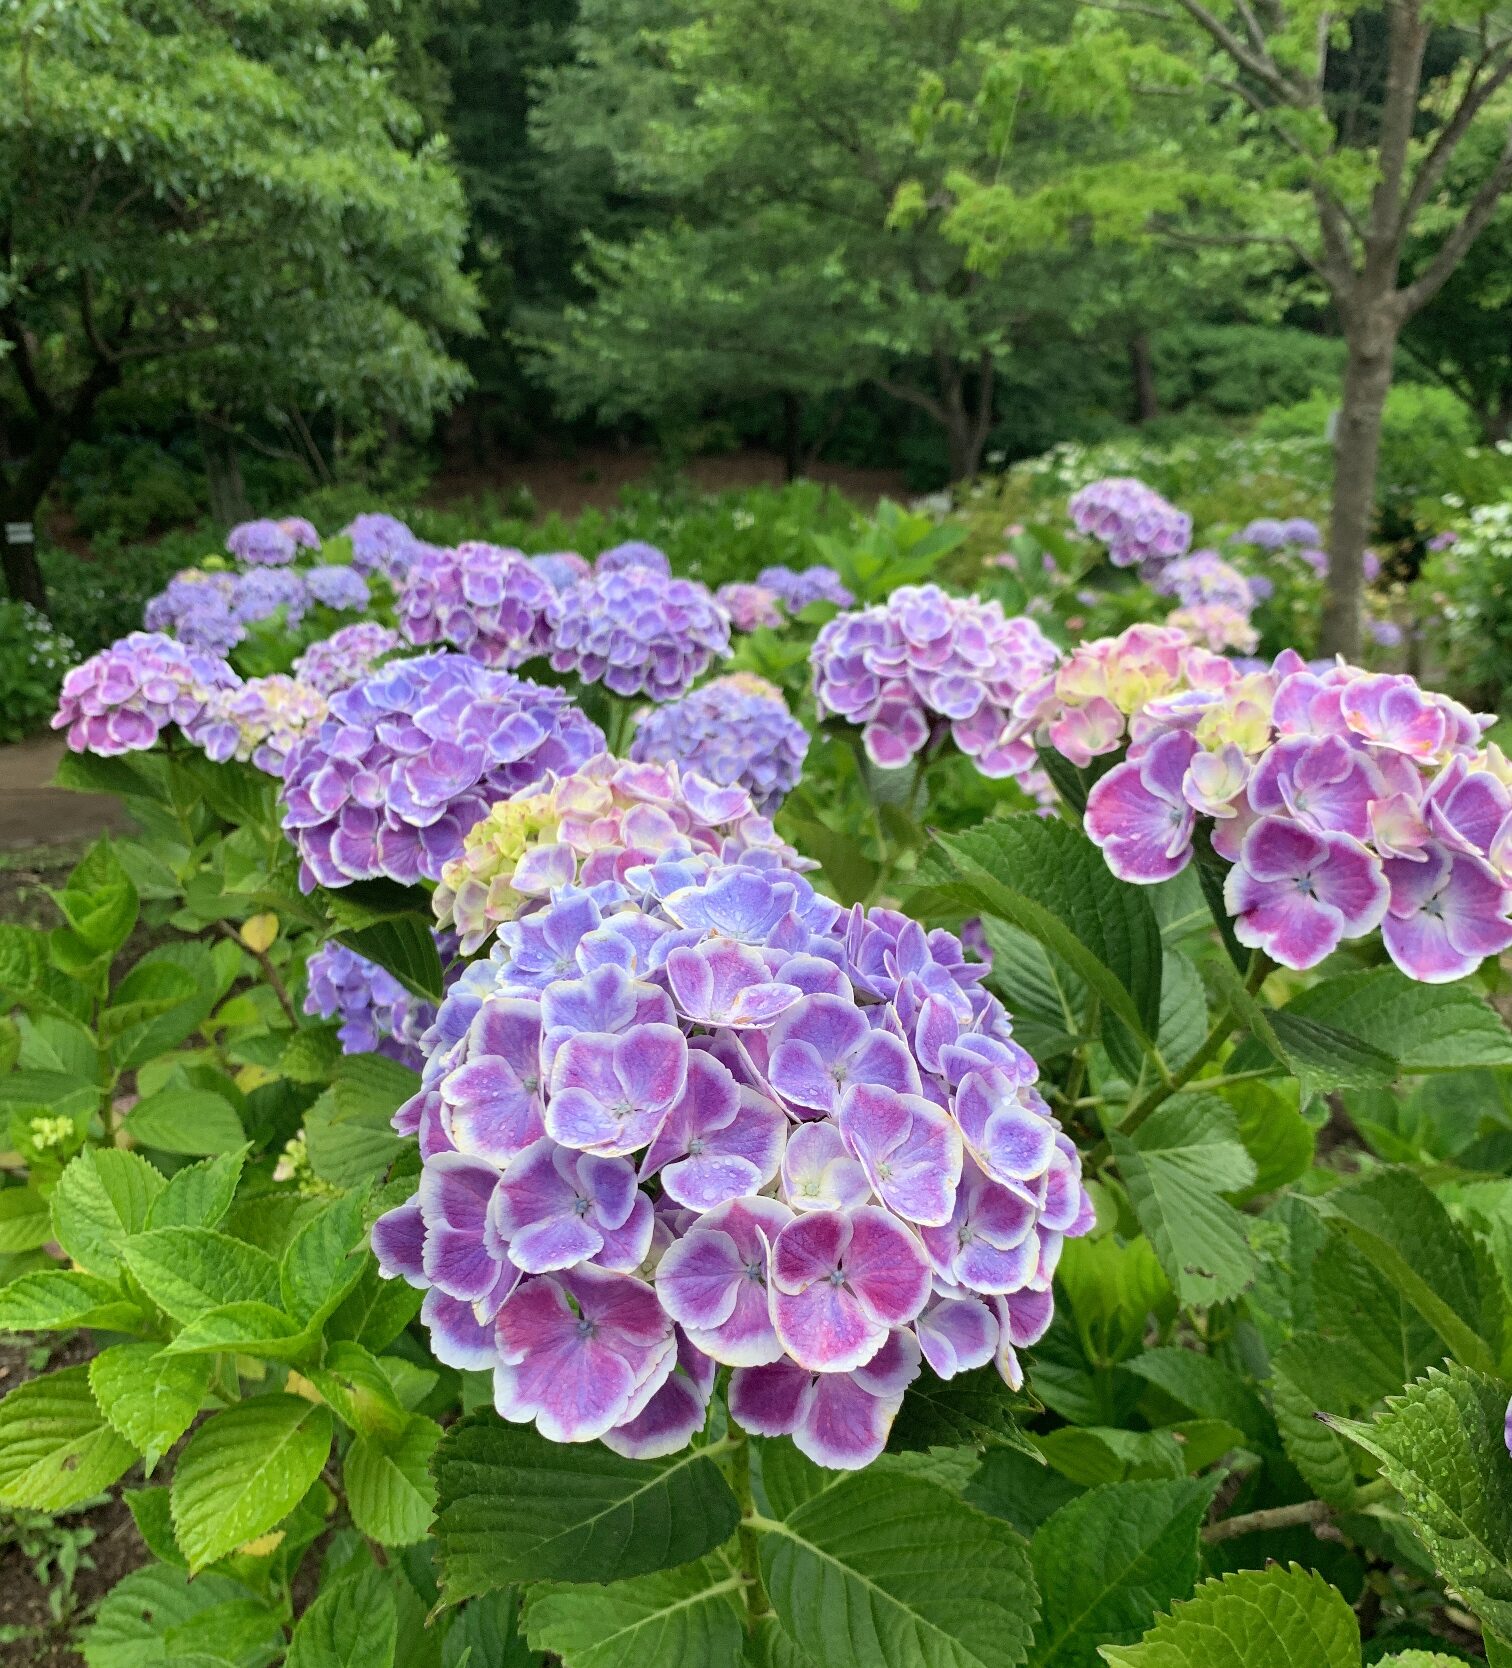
pixel 1296 893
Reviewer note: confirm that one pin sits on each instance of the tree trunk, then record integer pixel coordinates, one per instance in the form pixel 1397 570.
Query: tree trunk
pixel 223 476
pixel 792 436
pixel 1370 337
pixel 23 576
pixel 1142 373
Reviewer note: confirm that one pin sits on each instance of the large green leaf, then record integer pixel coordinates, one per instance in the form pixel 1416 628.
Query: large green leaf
pixel 186 1271
pixel 195 1122
pixel 324 1260
pixel 243 1470
pixel 973 1407
pixel 514 1507
pixel 60 1299
pixel 199 1195
pixel 1274 1618
pixel 689 1617
pixel 99 901
pixel 1442 1445
pixel 187 969
pixel 157 1618
pixel 1050 881
pixel 353 1624
pixel 55 1446
pixel 1422 1027
pixel 1047 999
pixel 382 920
pixel 149 1397
pixel 1176 1167
pixel 25 1220
pixel 388 1482
pixel 351 1139
pixel 101 1200
pixel 894 1572
pixel 1205 1385
pixel 1109 1562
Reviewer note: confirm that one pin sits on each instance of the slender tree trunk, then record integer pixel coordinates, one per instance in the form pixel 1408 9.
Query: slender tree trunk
pixel 223 476
pixel 1142 373
pixel 792 436
pixel 1370 336
pixel 23 576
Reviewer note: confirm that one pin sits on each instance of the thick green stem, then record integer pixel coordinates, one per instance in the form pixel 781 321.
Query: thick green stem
pixel 746 1536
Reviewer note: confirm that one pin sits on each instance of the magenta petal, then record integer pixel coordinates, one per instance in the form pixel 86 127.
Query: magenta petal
pixel 825 1329
pixel 769 1400
pixel 698 1278
pixel 818 1172
pixel 668 1422
pixel 399 1244
pixel 956 1334
pixel 910 1149
pixel 885 1266
pixel 457 1338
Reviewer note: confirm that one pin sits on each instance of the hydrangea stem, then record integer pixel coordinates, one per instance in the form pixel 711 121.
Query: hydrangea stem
pixel 746 1537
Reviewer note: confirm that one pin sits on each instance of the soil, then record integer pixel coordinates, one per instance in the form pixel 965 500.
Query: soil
pixel 34 813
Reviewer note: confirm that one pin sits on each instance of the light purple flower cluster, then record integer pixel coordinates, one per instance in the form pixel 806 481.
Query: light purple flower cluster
pixel 122 699
pixel 1270 533
pixel 341 588
pixel 639 631
pixel 698 1115
pixel 381 544
pixel 260 721
pixel 483 599
pixel 271 544
pixel 750 607
pixel 1204 577
pixel 195 607
pixel 411 756
pixel 635 553
pixel 561 568
pixel 736 731
pixel 378 1015
pixel 259 594
pixel 1138 526
pixel 1344 800
pixel 345 656
pixel 924 664
pixel 797 588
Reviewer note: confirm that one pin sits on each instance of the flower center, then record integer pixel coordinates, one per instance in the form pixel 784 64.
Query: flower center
pixel 696 1146
pixel 579 1207
pixel 836 1277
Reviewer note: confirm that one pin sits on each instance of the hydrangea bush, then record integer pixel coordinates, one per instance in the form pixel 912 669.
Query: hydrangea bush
pixel 736 730
pixel 637 630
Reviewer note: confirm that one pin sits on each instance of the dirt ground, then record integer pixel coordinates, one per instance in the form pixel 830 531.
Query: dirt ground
pixel 33 813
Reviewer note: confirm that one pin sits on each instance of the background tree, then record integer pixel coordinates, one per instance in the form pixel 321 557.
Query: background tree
pixel 1325 130
pixel 231 205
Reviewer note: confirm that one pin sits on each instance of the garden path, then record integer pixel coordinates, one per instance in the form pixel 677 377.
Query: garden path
pixel 34 813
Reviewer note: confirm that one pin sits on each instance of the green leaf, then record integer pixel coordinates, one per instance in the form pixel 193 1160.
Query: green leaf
pixel 350 1136
pixel 245 1329
pixel 353 1624
pixel 157 1618
pixel 1392 1217
pixel 149 1397
pixel 1093 1454
pixel 689 1617
pixel 1424 1028
pixel 1203 1384
pixel 199 1195
pixel 974 1407
pixel 25 1220
pixel 312 1055
pixel 55 1447
pixel 101 1200
pixel 1274 1618
pixel 99 901
pixel 894 1571
pixel 186 972
pixel 154 1521
pixel 488 1633
pixel 389 1485
pixel 1047 999
pixel 186 1271
pixel 1050 881
pixel 60 1299
pixel 324 1260
pixel 1109 1562
pixel 1273 1132
pixel 850 875
pixel 195 1122
pixel 1304 1381
pixel 357 1389
pixel 1175 1167
pixel 380 920
pixel 515 1507
pixel 243 1470
pixel 1441 1445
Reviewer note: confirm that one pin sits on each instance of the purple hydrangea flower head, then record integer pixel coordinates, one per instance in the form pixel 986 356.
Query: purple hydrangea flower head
pixel 561 568
pixel 381 544
pixel 925 664
pixel 341 588
pixel 796 588
pixel 736 731
pixel 411 756
pixel 489 602
pixel 195 607
pixel 271 543
pixel 750 607
pixel 260 721
pixel 1136 524
pixel 636 553
pixel 1268 533
pixel 639 632
pixel 377 1014
pixel 1204 577
pixel 122 699
pixel 690 1114
pixel 345 656
pixel 259 594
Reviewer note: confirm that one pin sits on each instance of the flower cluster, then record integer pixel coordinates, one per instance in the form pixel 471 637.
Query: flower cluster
pixel 271 544
pixel 260 594
pixel 382 544
pixel 698 1115
pixel 378 1015
pixel 750 607
pixel 1217 626
pixel 1204 577
pixel 1138 526
pixel 410 757
pixel 737 731
pixel 1344 800
pixel 337 587
pixel 924 663
pixel 561 568
pixel 592 826
pixel 346 655
pixel 487 601
pixel 1295 539
pixel 638 631
pixel 259 721
pixel 195 607
pixel 796 588
pixel 122 699
pixel 634 553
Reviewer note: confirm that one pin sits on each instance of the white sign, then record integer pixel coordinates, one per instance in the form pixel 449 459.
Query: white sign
pixel 19 532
